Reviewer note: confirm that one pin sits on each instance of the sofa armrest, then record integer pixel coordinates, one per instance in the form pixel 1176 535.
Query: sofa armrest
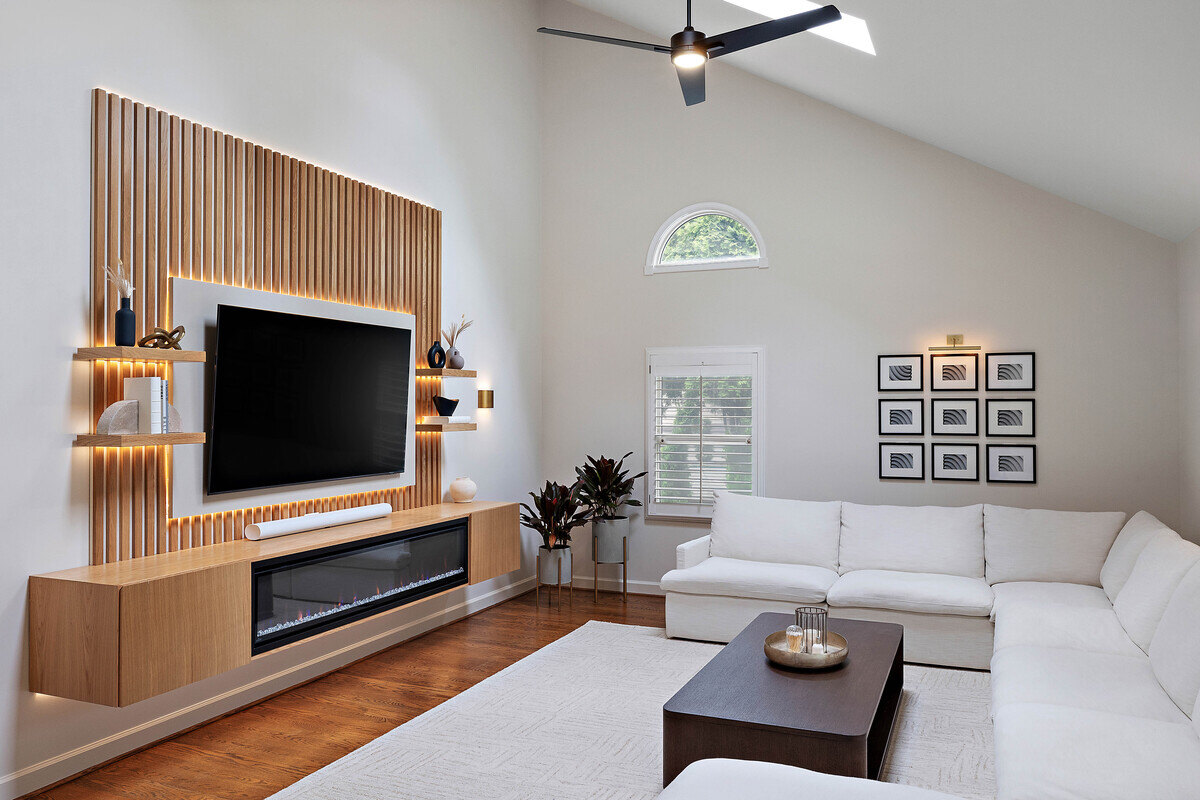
pixel 689 554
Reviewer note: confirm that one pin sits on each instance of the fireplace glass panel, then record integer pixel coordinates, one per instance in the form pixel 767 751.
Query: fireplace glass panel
pixel 298 596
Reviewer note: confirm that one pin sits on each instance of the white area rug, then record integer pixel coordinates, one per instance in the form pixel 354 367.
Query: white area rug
pixel 582 718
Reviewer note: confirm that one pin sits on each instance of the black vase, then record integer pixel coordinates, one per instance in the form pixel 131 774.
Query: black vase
pixel 436 356
pixel 445 405
pixel 126 325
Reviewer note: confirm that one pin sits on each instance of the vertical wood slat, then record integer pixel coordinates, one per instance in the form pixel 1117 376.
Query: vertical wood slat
pixel 171 197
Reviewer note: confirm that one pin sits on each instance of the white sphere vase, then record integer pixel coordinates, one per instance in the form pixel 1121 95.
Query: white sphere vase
pixel 462 490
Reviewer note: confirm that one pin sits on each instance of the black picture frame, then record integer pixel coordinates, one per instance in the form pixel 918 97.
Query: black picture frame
pixel 920 362
pixel 1032 448
pixel 933 415
pixel 946 445
pixel 933 372
pixel 919 402
pixel 988 418
pixel 921 449
pixel 987 360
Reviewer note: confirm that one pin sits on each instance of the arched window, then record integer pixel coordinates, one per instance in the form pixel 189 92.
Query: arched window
pixel 706 236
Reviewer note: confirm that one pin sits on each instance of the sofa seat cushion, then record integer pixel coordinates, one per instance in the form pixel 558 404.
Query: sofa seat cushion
pixel 1164 561
pixel 1045 593
pixel 735 577
pixel 1054 753
pixel 1175 649
pixel 1078 679
pixel 1031 624
pixel 1027 544
pixel 727 778
pixel 1133 538
pixel 912 539
pixel 926 592
pixel 775 530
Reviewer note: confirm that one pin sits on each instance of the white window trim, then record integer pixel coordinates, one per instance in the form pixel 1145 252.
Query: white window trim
pixel 718 355
pixel 654 263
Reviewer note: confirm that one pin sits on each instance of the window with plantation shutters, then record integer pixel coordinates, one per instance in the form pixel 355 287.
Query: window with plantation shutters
pixel 703 419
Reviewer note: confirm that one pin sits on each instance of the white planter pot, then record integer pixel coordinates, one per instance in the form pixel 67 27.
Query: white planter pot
pixel 462 490
pixel 549 561
pixel 608 540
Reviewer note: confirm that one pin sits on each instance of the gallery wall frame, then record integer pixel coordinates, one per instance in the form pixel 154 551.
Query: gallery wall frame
pixel 1010 372
pixel 958 461
pixel 901 373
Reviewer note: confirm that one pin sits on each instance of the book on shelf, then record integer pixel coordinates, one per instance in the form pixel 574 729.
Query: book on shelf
pixel 150 397
pixel 455 420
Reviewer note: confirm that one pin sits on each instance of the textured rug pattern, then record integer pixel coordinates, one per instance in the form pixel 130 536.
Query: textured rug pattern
pixel 582 718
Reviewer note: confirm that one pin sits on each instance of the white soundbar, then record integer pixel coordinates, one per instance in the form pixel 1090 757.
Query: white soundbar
pixel 311 522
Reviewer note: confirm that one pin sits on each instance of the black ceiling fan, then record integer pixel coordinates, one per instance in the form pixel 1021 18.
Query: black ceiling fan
pixel 690 48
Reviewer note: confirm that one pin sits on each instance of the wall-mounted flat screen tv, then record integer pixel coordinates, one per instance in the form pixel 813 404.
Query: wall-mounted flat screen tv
pixel 300 399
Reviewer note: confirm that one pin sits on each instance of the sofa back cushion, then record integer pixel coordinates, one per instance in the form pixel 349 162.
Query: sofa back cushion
pixel 1029 544
pixel 1141 528
pixel 779 531
pixel 913 539
pixel 1159 569
pixel 1175 648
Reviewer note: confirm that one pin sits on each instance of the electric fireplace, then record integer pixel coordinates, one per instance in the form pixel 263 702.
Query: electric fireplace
pixel 300 595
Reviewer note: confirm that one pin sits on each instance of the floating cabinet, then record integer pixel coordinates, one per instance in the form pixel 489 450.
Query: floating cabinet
pixel 119 633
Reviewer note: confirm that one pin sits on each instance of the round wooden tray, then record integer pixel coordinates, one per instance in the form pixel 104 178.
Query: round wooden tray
pixel 776 649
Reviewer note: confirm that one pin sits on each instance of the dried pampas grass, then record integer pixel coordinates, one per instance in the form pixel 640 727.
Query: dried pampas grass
pixel 450 335
pixel 118 278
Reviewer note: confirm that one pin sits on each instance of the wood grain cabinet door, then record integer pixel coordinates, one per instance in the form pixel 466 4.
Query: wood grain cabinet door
pixel 183 628
pixel 495 536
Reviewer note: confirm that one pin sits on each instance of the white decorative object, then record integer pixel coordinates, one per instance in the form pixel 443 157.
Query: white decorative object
pixel 462 490
pixel 120 417
pixel 310 522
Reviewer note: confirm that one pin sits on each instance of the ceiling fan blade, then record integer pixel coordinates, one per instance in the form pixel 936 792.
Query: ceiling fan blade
pixel 730 42
pixel 691 80
pixel 657 48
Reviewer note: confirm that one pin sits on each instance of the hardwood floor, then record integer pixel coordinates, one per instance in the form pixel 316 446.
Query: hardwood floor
pixel 259 750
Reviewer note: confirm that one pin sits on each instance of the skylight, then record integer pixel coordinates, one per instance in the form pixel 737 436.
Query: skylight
pixel 850 31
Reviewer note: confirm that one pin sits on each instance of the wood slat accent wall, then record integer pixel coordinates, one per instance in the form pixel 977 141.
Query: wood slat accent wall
pixel 173 198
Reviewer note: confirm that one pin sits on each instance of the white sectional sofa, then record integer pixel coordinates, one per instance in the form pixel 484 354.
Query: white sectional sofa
pixel 937 571
pixel 1095 655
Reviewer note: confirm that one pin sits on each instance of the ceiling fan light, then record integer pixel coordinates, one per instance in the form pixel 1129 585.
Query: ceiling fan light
pixel 689 59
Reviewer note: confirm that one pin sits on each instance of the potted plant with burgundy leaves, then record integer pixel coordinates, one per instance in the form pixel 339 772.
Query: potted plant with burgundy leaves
pixel 556 511
pixel 606 488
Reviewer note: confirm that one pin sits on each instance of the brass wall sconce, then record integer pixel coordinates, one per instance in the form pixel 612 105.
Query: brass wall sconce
pixel 954 342
pixel 486 398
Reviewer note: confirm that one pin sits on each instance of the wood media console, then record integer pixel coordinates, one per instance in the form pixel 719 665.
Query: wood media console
pixel 118 633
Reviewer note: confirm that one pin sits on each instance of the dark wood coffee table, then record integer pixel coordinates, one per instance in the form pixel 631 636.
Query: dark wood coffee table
pixel 740 705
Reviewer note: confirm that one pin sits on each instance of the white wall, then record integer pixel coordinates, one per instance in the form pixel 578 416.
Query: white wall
pixel 878 244
pixel 1189 355
pixel 435 101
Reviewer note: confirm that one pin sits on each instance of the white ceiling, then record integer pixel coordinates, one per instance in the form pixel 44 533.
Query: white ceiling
pixel 1097 101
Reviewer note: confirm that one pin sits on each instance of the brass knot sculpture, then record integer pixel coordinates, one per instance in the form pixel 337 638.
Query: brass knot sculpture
pixel 163 339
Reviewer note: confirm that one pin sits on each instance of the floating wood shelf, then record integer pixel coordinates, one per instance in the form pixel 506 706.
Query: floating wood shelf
pixel 138 354
pixel 137 439
pixel 444 427
pixel 118 633
pixel 443 372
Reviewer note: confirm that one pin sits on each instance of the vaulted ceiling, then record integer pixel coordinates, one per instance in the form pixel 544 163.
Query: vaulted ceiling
pixel 1097 101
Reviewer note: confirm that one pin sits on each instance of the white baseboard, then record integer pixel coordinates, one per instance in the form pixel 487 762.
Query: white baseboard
pixel 614 585
pixel 56 768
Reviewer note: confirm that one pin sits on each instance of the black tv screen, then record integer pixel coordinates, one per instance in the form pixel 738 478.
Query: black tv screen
pixel 298 399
